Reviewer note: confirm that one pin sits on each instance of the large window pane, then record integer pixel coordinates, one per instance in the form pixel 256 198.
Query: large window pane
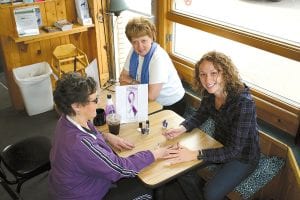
pixel 142 6
pixel 275 19
pixel 273 74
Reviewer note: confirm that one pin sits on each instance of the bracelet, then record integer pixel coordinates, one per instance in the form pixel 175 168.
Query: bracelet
pixel 200 155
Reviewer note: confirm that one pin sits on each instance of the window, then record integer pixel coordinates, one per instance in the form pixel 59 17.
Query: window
pixel 142 6
pixel 274 19
pixel 262 38
pixel 268 72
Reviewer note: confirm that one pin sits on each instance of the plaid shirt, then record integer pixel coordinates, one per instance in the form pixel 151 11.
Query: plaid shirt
pixel 235 127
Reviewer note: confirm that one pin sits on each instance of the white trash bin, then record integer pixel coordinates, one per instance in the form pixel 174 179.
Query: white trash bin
pixel 35 86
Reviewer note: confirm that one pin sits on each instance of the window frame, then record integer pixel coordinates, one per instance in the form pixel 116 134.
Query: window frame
pixel 270 109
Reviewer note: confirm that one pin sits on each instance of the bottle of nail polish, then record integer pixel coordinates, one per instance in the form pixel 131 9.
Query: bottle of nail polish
pixel 110 107
pixel 147 128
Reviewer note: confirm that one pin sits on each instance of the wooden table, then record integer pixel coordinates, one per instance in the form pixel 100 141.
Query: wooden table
pixel 160 171
pixel 153 106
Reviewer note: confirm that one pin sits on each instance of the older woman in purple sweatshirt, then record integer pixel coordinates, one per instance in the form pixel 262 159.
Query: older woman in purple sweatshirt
pixel 83 165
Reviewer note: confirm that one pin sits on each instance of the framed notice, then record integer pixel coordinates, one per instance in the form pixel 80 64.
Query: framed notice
pixel 27 21
pixel 132 102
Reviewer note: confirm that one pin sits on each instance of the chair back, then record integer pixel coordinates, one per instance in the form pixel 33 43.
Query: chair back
pixel 24 159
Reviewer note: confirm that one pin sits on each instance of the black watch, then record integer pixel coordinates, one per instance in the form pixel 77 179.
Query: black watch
pixel 200 155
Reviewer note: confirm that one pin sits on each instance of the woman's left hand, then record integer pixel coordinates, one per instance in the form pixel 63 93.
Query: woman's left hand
pixel 118 142
pixel 184 155
pixel 125 78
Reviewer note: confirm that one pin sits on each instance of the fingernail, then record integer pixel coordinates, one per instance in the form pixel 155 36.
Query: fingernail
pixel 164 124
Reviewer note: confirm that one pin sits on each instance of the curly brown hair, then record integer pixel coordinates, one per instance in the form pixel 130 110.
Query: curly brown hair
pixel 224 65
pixel 73 88
pixel 140 26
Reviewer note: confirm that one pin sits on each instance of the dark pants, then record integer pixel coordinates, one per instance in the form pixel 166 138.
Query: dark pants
pixel 227 177
pixel 129 189
pixel 178 107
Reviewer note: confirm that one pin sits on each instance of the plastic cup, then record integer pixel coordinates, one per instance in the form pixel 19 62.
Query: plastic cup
pixel 113 122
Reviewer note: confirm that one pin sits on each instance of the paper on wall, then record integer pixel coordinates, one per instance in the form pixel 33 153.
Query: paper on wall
pixel 83 14
pixel 92 71
pixel 26 21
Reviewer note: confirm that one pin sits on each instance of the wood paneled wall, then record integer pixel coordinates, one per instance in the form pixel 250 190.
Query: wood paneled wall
pixel 17 54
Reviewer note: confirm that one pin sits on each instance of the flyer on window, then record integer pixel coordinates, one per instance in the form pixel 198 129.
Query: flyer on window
pixel 132 102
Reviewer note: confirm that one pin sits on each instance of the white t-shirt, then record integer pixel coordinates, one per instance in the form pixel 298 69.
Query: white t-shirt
pixel 161 70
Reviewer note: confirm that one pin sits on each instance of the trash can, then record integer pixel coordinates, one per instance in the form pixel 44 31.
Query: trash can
pixel 35 86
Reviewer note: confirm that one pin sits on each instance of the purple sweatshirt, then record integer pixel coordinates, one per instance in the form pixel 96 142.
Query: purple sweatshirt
pixel 83 167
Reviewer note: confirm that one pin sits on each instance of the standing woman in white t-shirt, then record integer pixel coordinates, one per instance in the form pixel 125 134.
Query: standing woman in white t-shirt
pixel 148 63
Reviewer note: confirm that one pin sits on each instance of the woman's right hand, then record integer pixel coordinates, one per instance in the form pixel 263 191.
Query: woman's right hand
pixel 174 132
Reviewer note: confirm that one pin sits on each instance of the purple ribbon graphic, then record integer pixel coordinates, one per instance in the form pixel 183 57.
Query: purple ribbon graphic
pixel 131 98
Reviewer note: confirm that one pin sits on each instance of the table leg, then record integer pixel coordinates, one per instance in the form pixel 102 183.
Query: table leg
pixel 11 193
pixel 297 139
pixel 158 193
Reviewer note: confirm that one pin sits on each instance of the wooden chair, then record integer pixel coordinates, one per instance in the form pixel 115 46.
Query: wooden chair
pixel 68 58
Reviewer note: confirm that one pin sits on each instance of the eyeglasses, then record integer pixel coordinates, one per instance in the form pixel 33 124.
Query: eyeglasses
pixel 96 100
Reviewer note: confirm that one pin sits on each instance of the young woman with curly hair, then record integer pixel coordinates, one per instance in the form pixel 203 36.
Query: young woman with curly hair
pixel 228 102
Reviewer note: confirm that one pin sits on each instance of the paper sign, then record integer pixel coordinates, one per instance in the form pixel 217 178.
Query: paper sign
pixel 92 71
pixel 132 102
pixel 83 15
pixel 26 21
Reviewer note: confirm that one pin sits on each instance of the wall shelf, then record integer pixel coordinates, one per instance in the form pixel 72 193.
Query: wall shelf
pixel 46 36
pixel 21 4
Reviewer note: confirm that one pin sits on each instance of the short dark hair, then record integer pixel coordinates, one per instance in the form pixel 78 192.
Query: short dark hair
pixel 73 88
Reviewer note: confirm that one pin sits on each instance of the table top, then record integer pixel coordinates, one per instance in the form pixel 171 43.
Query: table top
pixel 160 171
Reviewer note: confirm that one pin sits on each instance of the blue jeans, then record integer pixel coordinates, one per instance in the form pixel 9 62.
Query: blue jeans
pixel 227 177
